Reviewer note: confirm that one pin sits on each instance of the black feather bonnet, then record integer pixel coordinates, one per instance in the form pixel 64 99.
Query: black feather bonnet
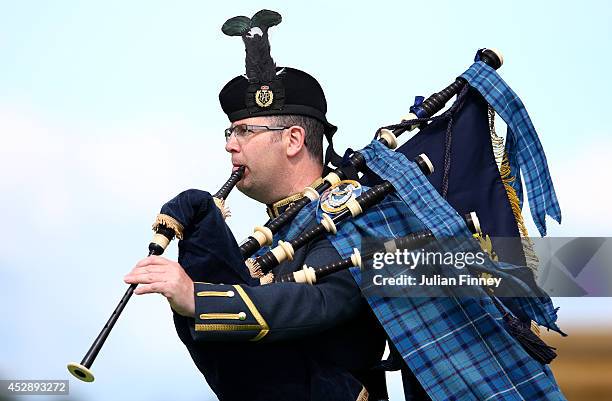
pixel 267 90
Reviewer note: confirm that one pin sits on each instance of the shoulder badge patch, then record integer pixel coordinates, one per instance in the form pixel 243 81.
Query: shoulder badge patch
pixel 335 198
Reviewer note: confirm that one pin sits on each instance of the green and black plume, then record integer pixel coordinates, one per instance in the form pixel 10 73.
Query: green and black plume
pixel 259 64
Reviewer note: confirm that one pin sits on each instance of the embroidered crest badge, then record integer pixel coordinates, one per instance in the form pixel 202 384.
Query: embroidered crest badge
pixel 335 198
pixel 264 96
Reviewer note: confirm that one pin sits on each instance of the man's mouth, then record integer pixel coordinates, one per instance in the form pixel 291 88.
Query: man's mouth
pixel 236 166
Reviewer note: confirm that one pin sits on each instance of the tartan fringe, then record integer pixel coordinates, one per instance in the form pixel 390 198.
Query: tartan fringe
pixel 170 222
pixel 530 341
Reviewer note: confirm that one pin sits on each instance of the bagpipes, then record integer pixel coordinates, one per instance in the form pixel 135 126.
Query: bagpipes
pixel 471 184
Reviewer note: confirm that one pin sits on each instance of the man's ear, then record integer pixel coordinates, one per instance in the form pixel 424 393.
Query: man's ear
pixel 294 140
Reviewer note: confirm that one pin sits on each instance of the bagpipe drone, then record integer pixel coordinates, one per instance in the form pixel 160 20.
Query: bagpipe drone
pixel 456 178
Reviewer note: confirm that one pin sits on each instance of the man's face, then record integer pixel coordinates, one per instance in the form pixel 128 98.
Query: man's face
pixel 262 153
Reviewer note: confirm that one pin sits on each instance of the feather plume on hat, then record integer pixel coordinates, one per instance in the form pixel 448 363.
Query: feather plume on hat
pixel 260 66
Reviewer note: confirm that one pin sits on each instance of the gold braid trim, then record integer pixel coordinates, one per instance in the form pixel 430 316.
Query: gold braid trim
pixel 225 212
pixel 530 256
pixel 274 209
pixel 254 268
pixel 226 327
pixel 515 204
pixel 249 303
pixel 317 182
pixel 170 222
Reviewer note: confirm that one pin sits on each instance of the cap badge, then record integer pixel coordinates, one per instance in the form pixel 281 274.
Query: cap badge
pixel 264 96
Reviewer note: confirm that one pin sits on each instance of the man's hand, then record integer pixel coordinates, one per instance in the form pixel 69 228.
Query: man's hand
pixel 163 276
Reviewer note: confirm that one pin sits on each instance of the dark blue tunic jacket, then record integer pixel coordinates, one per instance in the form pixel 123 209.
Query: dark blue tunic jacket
pixel 284 341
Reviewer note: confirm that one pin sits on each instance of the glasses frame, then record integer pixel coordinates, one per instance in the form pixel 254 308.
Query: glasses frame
pixel 250 129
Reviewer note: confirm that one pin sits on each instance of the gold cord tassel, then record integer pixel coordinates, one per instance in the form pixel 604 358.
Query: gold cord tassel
pixel 254 268
pixel 530 256
pixel 225 212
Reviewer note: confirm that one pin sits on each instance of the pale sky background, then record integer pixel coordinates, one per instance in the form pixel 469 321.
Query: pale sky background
pixel 109 109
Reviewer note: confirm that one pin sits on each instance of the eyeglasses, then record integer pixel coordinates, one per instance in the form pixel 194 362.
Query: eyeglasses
pixel 244 130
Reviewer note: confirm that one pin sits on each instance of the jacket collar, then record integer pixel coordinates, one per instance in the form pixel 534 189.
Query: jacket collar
pixel 277 208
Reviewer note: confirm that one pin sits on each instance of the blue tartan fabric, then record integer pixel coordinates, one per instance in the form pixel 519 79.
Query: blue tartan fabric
pixel 524 149
pixel 437 216
pixel 457 348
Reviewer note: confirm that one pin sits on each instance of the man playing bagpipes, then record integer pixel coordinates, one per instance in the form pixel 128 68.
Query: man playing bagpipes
pixel 274 342
pixel 256 337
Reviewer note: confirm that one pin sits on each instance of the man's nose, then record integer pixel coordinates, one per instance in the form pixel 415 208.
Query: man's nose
pixel 232 145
